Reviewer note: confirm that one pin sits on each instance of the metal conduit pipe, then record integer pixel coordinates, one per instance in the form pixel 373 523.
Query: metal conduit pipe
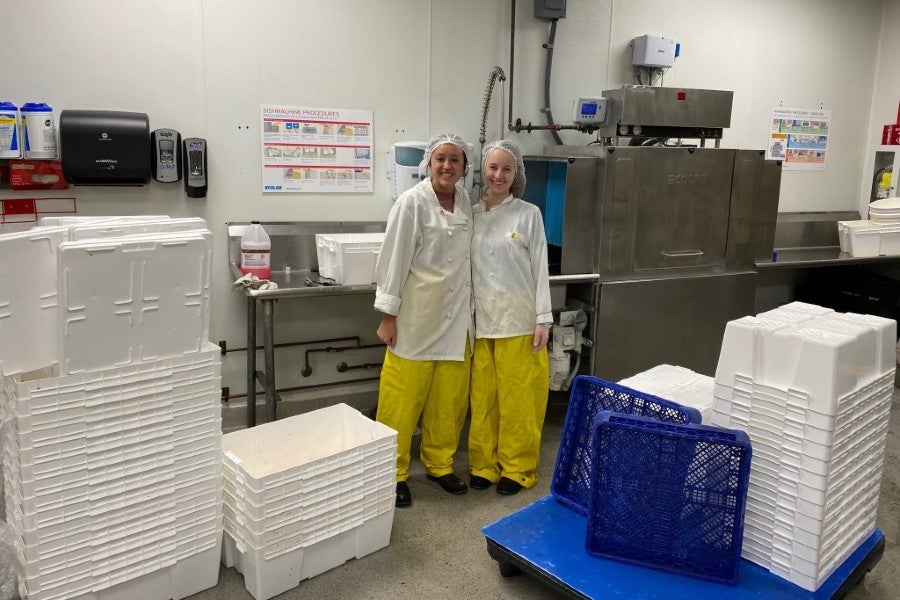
pixel 223 346
pixel 551 40
pixel 512 60
pixel 307 370
pixel 343 367
pixel 518 127
pixel 226 396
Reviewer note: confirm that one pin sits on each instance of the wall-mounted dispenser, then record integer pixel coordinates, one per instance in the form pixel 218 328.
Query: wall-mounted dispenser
pixel 195 171
pixel 100 147
pixel 402 163
pixel 165 150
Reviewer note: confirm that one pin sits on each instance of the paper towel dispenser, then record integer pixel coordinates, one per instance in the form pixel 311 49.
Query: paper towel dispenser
pixel 101 147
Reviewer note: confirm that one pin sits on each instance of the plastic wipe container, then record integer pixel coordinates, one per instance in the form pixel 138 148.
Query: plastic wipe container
pixel 39 129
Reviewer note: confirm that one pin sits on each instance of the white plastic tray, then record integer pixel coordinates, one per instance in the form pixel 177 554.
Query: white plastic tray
pixel 132 300
pixel 123 228
pixel 28 299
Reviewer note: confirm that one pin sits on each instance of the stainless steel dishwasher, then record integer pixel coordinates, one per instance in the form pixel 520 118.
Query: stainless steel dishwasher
pixel 672 232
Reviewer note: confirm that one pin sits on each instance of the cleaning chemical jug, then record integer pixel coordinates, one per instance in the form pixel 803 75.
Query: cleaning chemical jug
pixel 256 251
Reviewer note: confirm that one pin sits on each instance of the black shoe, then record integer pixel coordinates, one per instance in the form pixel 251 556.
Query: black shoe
pixel 508 487
pixel 451 483
pixel 404 498
pixel 480 483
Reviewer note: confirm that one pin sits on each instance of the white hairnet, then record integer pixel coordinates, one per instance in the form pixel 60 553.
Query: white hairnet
pixel 444 138
pixel 518 185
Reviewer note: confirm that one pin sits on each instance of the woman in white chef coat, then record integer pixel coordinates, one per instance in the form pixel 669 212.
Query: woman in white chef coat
pixel 510 374
pixel 424 290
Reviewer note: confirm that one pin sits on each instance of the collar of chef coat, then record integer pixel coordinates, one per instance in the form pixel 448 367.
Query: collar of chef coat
pixel 482 207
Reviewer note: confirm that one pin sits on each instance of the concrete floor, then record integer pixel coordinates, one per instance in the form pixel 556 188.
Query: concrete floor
pixel 437 550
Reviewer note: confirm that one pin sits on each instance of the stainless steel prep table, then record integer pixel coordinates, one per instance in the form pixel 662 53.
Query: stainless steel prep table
pixel 824 256
pixel 294 246
pixel 293 285
pixel 826 276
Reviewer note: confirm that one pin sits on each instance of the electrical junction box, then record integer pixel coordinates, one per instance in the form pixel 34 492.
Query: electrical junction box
pixel 589 110
pixel 549 9
pixel 653 51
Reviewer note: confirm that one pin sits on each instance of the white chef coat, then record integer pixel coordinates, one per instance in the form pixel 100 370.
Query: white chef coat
pixel 509 269
pixel 424 274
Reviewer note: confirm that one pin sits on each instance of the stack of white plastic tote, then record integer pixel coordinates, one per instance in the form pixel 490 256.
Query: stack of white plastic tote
pixel 678 384
pixel 305 494
pixel 111 434
pixel 813 389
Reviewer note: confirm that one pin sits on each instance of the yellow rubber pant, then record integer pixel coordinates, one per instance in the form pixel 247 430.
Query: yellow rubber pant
pixel 510 384
pixel 435 390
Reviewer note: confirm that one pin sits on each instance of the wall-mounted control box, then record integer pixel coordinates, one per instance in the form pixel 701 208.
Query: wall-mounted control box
pixel 549 9
pixel 653 51
pixel 589 110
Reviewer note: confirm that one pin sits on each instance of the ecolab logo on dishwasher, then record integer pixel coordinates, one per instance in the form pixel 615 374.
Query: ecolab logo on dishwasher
pixel 690 179
pixel 273 187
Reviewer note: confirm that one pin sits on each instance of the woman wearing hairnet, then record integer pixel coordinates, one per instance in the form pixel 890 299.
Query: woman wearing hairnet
pixel 424 287
pixel 510 375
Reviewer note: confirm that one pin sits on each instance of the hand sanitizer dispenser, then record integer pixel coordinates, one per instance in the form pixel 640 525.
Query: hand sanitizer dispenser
pixel 165 162
pixel 195 179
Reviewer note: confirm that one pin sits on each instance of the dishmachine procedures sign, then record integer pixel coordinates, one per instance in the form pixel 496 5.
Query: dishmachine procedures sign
pixel 306 149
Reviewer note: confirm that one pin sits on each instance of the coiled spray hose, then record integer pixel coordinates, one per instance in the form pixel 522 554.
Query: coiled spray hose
pixel 496 73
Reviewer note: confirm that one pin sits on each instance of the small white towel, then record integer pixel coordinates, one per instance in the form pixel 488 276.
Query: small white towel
pixel 252 281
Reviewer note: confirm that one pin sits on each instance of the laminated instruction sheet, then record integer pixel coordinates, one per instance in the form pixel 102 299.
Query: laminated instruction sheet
pixel 306 149
pixel 799 138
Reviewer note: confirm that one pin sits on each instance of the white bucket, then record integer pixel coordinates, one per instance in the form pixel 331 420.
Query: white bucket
pixel 40 130
pixel 9 131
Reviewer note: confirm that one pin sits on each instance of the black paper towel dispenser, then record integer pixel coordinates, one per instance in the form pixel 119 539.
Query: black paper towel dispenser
pixel 101 147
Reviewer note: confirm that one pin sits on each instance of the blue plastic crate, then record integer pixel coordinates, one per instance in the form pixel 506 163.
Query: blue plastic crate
pixel 670 497
pixel 571 483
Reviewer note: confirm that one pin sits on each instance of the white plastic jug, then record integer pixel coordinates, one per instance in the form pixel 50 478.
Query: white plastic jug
pixel 256 251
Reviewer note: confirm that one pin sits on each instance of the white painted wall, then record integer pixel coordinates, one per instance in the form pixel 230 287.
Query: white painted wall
pixel 203 67
pixel 885 99
pixel 800 53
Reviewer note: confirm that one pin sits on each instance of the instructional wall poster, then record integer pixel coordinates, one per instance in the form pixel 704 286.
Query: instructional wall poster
pixel 799 138
pixel 321 150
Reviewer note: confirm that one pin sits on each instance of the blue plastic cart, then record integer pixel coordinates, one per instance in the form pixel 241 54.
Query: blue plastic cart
pixel 547 541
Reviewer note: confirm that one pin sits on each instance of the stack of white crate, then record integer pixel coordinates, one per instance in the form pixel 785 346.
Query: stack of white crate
pixel 112 454
pixel 678 384
pixel 305 494
pixel 813 389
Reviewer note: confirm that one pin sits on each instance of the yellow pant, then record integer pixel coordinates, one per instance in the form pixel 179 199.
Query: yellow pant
pixel 435 390
pixel 510 384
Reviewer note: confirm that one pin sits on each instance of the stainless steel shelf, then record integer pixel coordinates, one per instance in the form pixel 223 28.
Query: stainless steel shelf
pixel 825 256
pixel 296 285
